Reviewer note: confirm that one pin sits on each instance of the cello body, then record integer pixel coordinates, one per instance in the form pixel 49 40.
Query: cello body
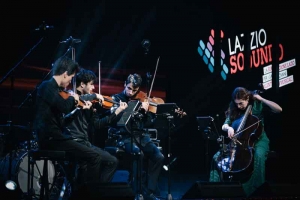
pixel 236 161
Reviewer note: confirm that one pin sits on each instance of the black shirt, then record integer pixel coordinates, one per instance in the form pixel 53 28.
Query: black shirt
pixel 50 110
pixel 148 117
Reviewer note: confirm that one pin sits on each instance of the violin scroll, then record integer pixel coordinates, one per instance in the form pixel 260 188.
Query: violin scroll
pixel 180 113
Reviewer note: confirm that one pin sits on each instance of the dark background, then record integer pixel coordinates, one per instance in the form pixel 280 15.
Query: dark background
pixel 112 32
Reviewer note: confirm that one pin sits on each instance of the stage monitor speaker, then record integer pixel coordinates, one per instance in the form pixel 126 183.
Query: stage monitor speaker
pixel 215 190
pixel 289 191
pixel 107 191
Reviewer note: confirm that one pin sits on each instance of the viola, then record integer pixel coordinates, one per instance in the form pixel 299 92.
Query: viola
pixel 153 102
pixel 142 97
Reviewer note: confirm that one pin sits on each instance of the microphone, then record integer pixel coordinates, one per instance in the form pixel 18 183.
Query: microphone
pixel 146 43
pixel 44 27
pixel 72 40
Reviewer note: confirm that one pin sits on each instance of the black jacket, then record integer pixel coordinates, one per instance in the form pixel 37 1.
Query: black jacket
pixel 50 110
pixel 77 125
pixel 147 117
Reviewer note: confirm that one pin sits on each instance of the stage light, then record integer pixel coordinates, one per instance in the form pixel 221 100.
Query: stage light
pixel 11 185
pixel 166 167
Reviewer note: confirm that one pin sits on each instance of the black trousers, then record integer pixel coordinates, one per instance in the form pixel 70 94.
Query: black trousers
pixel 151 152
pixel 77 152
pixel 109 164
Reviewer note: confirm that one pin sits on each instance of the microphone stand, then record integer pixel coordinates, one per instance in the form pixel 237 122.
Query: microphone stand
pixel 30 191
pixel 72 49
pixel 169 118
pixel 146 45
pixel 138 178
pixel 12 69
pixel 12 79
pixel 29 95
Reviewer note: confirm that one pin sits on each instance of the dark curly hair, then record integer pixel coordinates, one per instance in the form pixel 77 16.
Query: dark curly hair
pixel 135 79
pixel 85 76
pixel 63 64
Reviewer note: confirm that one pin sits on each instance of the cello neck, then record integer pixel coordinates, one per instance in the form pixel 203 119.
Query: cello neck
pixel 244 119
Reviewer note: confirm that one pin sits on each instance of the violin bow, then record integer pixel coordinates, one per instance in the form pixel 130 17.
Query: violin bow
pixel 99 80
pixel 150 90
pixel 99 77
pixel 74 78
pixel 239 132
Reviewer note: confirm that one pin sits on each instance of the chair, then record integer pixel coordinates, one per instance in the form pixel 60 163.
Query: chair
pixel 114 147
pixel 46 156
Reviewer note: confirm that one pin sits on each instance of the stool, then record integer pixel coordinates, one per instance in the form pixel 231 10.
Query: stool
pixel 46 156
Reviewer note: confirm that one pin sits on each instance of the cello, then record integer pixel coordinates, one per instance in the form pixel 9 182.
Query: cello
pixel 237 161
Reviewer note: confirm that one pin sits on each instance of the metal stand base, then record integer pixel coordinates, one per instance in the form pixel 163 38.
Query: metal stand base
pixel 139 197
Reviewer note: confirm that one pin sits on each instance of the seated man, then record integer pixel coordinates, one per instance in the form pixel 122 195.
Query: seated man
pixel 141 140
pixel 51 108
pixel 77 126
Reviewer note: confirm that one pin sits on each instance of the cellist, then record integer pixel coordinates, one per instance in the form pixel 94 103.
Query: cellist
pixel 241 98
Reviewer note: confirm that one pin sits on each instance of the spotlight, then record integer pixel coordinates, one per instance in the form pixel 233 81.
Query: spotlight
pixel 166 167
pixel 11 185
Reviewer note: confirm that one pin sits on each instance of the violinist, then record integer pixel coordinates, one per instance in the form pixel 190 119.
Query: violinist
pixel 149 149
pixel 51 108
pixel 241 98
pixel 77 126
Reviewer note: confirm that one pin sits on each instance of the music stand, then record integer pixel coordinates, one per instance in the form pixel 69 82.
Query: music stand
pixel 205 125
pixel 130 117
pixel 209 131
pixel 166 111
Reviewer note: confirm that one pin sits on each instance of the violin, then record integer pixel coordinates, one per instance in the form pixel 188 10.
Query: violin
pixel 107 103
pixel 65 94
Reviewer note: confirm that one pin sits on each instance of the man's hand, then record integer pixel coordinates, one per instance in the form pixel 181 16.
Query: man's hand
pixel 76 96
pixel 100 97
pixel 87 105
pixel 123 106
pixel 145 105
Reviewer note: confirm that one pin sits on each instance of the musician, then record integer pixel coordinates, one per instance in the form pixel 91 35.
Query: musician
pixel 51 108
pixel 148 148
pixel 77 126
pixel 241 98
